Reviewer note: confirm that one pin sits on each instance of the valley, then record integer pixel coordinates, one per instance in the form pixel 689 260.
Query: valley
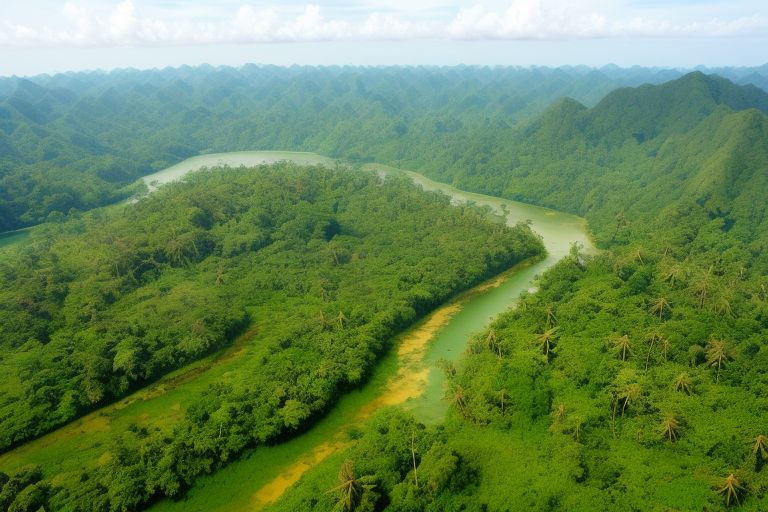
pixel 408 375
pixel 486 296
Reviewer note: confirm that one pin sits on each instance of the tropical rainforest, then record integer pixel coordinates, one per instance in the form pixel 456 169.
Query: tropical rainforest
pixel 629 379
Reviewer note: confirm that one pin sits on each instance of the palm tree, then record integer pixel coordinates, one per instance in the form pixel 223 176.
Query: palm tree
pixel 413 458
pixel 333 250
pixel 351 488
pixel 661 305
pixel 723 306
pixel 341 319
pixel 702 289
pixel 494 344
pixel 673 274
pixel 551 318
pixel 180 248
pixel 717 355
pixel 666 344
pixel 575 253
pixel 670 427
pixel 623 347
pixel 198 327
pixel 219 276
pixel 174 251
pixel 629 395
pixel 684 384
pixel 559 413
pixel 760 447
pixel 653 339
pixel 324 323
pixel 459 398
pixel 546 340
pixel 731 489
pixel 577 423
pixel 695 355
pixel 323 284
pixel 503 399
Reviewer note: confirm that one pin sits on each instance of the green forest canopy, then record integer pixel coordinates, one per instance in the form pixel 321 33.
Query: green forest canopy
pixel 632 379
pixel 326 264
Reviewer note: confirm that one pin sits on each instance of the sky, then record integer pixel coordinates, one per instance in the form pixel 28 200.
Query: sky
pixel 47 36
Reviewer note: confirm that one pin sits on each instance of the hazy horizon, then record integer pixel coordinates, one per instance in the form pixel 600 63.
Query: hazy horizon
pixel 596 67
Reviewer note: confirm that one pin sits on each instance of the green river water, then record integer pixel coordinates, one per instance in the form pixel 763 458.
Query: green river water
pixel 258 477
pixel 235 159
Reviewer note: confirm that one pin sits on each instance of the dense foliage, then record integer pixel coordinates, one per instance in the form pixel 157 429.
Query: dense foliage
pixel 74 140
pixel 326 264
pixel 692 147
pixel 616 386
pixel 636 379
pixel 396 464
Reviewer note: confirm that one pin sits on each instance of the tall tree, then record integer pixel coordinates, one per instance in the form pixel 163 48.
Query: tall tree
pixel 731 489
pixel 622 346
pixel 717 355
pixel 351 488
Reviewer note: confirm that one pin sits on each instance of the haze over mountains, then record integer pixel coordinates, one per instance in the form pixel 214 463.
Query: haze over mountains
pixel 699 140
pixel 73 140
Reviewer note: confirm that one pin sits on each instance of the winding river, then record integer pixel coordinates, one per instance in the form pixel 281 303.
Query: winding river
pixel 406 376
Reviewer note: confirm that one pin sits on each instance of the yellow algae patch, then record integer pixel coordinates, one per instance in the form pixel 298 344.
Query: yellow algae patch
pixel 411 377
pixel 292 473
pixel 417 339
pixel 409 382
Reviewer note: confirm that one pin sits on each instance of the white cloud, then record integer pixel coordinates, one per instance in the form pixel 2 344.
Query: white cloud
pixel 310 25
pixel 125 24
pixel 251 24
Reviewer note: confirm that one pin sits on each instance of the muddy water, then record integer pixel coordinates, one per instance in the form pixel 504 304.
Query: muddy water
pixel 407 376
pixel 236 159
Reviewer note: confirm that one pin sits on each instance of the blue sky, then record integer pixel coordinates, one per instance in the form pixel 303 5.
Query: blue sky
pixel 46 36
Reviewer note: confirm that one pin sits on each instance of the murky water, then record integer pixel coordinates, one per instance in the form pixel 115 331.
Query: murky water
pixel 236 159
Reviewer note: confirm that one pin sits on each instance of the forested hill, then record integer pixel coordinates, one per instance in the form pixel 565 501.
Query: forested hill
pixel 632 380
pixel 74 140
pixel 321 267
pixel 696 144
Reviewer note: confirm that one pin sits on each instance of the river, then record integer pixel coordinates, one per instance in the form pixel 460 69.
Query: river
pixel 234 159
pixel 406 376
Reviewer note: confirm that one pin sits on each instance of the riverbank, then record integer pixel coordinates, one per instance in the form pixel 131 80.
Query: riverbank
pixel 408 376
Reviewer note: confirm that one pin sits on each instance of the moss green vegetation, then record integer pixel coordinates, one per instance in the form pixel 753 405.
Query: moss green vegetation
pixel 632 380
pixel 326 265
